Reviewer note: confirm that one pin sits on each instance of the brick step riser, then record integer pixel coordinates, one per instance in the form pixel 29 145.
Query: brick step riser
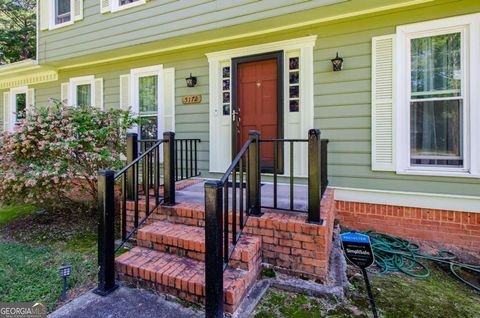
pixel 193 292
pixel 235 262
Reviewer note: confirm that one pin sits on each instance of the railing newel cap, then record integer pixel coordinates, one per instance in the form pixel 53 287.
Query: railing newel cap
pixel 106 172
pixel 213 184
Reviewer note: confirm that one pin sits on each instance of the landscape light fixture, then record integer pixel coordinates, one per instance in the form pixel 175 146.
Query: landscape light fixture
pixel 337 63
pixel 65 272
pixel 191 81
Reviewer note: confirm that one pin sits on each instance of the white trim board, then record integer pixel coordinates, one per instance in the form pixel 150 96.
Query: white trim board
pixel 410 199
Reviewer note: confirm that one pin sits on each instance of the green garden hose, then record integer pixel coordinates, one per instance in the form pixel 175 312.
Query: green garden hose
pixel 393 254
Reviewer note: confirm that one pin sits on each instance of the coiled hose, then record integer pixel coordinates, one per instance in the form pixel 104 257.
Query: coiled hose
pixel 393 254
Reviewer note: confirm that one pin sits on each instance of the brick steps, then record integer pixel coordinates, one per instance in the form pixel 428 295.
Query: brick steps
pixel 180 276
pixel 189 241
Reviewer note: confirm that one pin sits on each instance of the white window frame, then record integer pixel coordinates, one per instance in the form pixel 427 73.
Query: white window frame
pixel 83 80
pixel 13 102
pixel 156 70
pixel 116 6
pixel 52 15
pixel 469 27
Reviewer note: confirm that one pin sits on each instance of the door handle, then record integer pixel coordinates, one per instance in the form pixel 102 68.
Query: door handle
pixel 235 114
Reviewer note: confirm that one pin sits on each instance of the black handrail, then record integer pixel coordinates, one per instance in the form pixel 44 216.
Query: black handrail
pixel 220 242
pixel 149 159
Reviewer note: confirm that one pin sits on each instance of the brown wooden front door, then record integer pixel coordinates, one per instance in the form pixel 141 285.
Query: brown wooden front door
pixel 258 102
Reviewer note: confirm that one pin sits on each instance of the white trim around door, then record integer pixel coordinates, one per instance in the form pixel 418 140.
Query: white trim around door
pixel 296 123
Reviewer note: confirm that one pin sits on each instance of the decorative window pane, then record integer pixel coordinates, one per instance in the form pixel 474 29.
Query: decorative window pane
pixel 294 63
pixel 294 77
pixel 294 92
pixel 226 85
pixel 226 109
pixel 84 95
pixel 62 11
pixel 293 83
pixel 226 97
pixel 20 105
pixel 294 105
pixel 226 72
pixel 148 94
pixel 436 66
pixel 436 124
pixel 226 90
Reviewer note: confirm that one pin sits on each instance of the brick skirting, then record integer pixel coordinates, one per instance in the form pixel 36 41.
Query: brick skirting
pixel 461 229
pixel 288 241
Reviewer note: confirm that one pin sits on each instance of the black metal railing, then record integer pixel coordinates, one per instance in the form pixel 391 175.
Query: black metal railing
pixel 186 159
pixel 221 237
pixel 223 205
pixel 149 178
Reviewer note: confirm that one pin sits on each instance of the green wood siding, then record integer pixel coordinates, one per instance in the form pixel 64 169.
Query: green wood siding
pixel 342 99
pixel 157 20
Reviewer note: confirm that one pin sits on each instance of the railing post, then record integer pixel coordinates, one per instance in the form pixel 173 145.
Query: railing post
pixel 314 175
pixel 132 154
pixel 106 233
pixel 213 252
pixel 169 153
pixel 254 172
pixel 324 165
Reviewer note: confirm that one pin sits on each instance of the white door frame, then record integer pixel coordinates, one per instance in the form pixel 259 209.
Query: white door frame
pixel 296 125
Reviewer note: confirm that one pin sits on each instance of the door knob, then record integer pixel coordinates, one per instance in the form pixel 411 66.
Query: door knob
pixel 235 114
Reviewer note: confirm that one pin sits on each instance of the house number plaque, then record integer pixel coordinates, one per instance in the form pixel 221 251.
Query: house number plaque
pixel 192 99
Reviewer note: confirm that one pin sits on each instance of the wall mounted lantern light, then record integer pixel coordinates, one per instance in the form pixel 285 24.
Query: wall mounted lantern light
pixel 337 63
pixel 191 81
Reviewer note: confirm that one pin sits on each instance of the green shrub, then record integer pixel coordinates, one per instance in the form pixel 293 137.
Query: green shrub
pixel 52 158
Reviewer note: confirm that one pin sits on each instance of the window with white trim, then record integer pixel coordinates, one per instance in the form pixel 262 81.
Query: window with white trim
pixel 83 91
pixel 54 14
pixel 437 100
pixel 425 108
pixel 17 102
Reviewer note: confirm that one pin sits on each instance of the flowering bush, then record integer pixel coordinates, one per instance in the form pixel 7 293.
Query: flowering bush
pixel 52 158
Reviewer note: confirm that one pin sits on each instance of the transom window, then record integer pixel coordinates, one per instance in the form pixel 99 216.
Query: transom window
pixel 63 11
pixel 436 101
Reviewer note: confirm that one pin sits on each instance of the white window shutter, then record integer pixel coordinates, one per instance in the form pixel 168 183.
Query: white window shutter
pixel 383 103
pixel 99 93
pixel 125 87
pixel 169 99
pixel 7 113
pixel 78 10
pixel 105 6
pixel 43 11
pixel 65 93
pixel 30 98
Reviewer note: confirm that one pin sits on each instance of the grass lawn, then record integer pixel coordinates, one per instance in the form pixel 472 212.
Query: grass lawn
pixel 10 213
pixel 33 244
pixel 397 296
